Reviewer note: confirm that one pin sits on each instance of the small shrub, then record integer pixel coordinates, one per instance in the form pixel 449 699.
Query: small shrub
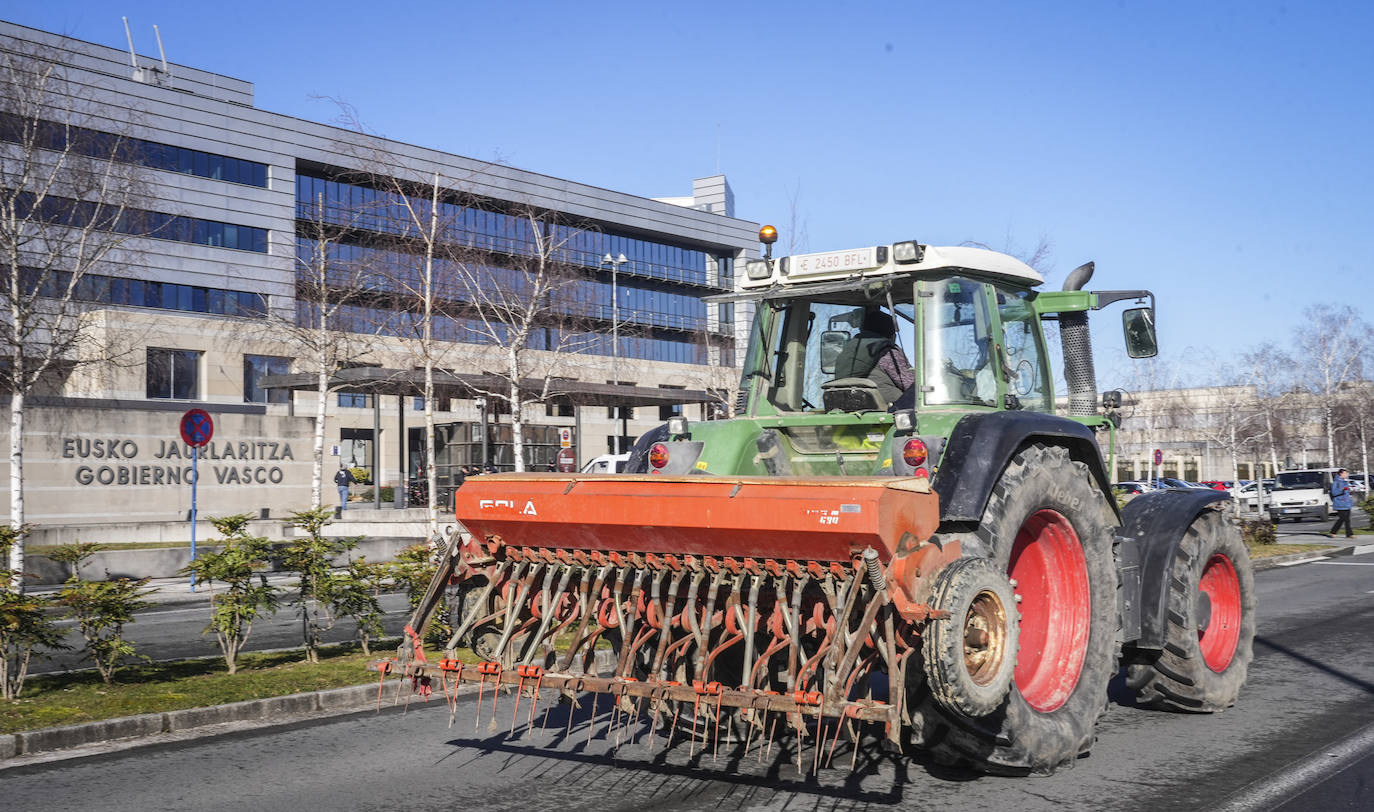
pixel 361 475
pixel 25 623
pixel 100 608
pixel 1259 531
pixel 311 557
pixel 247 595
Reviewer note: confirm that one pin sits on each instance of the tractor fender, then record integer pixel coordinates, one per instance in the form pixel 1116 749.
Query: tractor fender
pixel 1154 523
pixel 638 463
pixel 982 444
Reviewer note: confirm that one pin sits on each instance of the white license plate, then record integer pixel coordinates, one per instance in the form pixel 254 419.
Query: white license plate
pixel 1292 510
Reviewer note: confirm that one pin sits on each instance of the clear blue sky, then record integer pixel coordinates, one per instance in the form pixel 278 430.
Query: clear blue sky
pixel 1218 153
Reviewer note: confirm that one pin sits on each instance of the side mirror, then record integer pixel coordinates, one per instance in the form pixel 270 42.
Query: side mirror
pixel 1138 324
pixel 832 342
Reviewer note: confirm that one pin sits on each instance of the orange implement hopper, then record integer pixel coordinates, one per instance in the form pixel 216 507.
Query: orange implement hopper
pixel 818 519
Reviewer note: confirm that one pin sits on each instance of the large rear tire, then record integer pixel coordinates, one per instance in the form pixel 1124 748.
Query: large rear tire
pixel 1210 631
pixel 1049 527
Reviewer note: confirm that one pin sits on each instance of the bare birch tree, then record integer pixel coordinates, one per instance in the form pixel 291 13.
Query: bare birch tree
pixel 1332 342
pixel 70 196
pixel 328 289
pixel 1270 370
pixel 526 306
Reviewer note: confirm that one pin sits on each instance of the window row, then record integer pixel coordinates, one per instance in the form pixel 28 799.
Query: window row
pixel 356 319
pixel 354 268
pixel 103 216
pixel 176 374
pixel 363 207
pixel 102 289
pixel 107 146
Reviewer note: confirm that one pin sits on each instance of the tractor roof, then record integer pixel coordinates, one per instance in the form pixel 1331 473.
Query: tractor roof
pixel 879 261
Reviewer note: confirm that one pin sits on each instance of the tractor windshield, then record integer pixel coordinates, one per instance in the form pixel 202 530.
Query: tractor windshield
pixel 835 339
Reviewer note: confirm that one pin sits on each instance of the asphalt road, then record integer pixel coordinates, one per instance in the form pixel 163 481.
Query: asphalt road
pixel 1302 732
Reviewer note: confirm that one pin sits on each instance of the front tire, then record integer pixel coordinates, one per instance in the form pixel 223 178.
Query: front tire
pixel 1049 527
pixel 1210 632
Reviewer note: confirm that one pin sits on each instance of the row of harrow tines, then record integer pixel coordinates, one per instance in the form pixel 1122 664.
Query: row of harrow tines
pixel 681 645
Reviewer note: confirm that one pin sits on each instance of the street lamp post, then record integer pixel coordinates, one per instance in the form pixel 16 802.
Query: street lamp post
pixel 615 263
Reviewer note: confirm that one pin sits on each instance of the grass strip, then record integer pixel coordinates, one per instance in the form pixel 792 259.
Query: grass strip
pixel 54 700
pixel 1258 551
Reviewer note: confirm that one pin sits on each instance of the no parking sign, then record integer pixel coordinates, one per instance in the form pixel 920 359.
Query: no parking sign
pixel 196 430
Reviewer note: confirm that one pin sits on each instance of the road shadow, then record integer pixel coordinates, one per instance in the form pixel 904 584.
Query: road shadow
pixel 844 766
pixel 1349 679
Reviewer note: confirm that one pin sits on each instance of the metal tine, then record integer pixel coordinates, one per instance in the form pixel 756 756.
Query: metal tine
pixel 547 606
pixel 854 756
pixel 477 712
pixel 479 605
pixel 591 720
pixel 534 703
pixel 585 603
pixel 834 741
pixel 750 619
pixel 772 732
pixel 512 611
pixel 672 730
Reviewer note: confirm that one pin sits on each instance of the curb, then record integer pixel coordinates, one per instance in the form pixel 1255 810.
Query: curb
pixel 1314 555
pixel 150 726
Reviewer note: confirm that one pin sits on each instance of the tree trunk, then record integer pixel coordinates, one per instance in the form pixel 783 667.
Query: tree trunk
pixel 317 472
pixel 16 562
pixel 517 421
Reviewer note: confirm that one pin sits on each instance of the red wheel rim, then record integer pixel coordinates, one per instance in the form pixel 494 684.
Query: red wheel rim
pixel 1051 576
pixel 1222 587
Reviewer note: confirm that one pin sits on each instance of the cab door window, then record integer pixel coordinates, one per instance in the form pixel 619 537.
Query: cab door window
pixel 959 365
pixel 1022 345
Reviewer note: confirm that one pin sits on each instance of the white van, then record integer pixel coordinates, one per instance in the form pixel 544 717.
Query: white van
pixel 1300 495
pixel 607 464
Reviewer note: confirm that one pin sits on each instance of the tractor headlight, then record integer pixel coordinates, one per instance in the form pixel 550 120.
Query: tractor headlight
pixel 758 269
pixel 907 252
pixel 677 426
pixel 904 420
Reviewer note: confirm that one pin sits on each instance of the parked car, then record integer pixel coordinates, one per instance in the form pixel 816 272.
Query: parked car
pixel 1172 482
pixel 1218 484
pixel 607 464
pixel 1246 494
pixel 1133 488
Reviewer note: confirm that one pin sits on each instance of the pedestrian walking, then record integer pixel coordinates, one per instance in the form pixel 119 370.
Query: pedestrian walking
pixel 342 480
pixel 1341 503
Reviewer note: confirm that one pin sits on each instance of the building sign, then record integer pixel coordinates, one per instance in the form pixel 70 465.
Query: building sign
pixel 117 461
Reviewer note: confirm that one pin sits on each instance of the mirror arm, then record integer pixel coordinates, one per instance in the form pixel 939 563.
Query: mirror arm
pixel 1106 297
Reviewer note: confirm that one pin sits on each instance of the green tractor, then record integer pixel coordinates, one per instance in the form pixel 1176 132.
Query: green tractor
pixel 901 527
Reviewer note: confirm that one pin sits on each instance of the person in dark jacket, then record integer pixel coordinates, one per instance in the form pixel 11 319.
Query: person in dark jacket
pixel 873 353
pixel 342 480
pixel 1341 502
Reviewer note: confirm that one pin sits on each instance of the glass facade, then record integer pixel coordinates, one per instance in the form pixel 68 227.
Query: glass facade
pixel 657 290
pixel 470 226
pixel 95 144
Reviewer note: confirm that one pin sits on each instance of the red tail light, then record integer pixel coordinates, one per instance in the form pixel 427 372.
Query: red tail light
pixel 914 452
pixel 658 455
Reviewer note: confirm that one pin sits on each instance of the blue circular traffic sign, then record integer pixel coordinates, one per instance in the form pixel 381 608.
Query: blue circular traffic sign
pixel 196 427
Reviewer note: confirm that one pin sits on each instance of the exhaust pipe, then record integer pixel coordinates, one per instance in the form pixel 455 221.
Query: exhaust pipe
pixel 1078 349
